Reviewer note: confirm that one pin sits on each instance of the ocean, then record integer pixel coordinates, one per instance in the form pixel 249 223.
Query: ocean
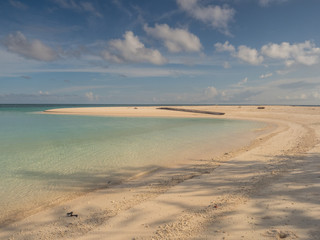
pixel 46 159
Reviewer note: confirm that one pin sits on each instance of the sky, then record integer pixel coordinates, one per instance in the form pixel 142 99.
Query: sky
pixel 160 52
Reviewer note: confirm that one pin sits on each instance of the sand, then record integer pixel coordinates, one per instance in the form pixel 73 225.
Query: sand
pixel 269 189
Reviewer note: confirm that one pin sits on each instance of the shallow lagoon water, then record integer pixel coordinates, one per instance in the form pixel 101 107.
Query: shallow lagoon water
pixel 46 159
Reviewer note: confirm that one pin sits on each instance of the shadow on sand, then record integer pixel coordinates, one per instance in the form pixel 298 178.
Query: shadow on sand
pixel 268 186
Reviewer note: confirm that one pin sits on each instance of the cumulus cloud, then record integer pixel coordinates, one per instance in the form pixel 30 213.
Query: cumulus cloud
pixel 249 55
pixel 211 92
pixel 130 49
pixel 246 54
pixel 34 49
pixel 175 39
pixel 304 53
pixel 78 6
pixel 226 47
pixel 218 17
pixel 267 75
pixel 91 97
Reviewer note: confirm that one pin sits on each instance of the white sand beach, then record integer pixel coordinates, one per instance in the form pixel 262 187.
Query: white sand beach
pixel 268 189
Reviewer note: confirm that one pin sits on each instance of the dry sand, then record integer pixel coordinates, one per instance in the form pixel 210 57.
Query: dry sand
pixel 269 189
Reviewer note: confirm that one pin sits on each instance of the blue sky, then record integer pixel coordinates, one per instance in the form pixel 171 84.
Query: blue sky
pixel 160 52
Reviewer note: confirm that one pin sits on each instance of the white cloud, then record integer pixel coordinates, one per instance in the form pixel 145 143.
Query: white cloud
pixel 304 53
pixel 90 96
pixel 246 54
pixel 113 58
pixel 34 49
pixel 175 39
pixel 273 50
pixel 211 92
pixel 282 91
pixel 43 93
pixel 265 3
pixel 243 81
pixel 295 97
pixel 218 17
pixel 267 75
pixel 78 6
pixel 122 70
pixel 289 63
pixel 226 47
pixel 130 49
pixel 249 55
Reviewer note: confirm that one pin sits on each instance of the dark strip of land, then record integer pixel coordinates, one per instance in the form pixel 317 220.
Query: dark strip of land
pixel 191 110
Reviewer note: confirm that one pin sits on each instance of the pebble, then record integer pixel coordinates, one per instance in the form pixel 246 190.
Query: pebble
pixel 283 235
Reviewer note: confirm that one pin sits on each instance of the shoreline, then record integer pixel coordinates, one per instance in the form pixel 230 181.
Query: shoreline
pixel 110 180
pixel 145 192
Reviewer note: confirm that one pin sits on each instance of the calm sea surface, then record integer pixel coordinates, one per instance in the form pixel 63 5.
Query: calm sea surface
pixel 45 159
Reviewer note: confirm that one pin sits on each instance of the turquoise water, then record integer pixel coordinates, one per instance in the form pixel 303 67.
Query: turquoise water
pixel 50 158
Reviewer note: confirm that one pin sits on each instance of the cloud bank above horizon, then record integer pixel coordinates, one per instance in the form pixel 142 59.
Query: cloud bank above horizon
pixel 183 51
